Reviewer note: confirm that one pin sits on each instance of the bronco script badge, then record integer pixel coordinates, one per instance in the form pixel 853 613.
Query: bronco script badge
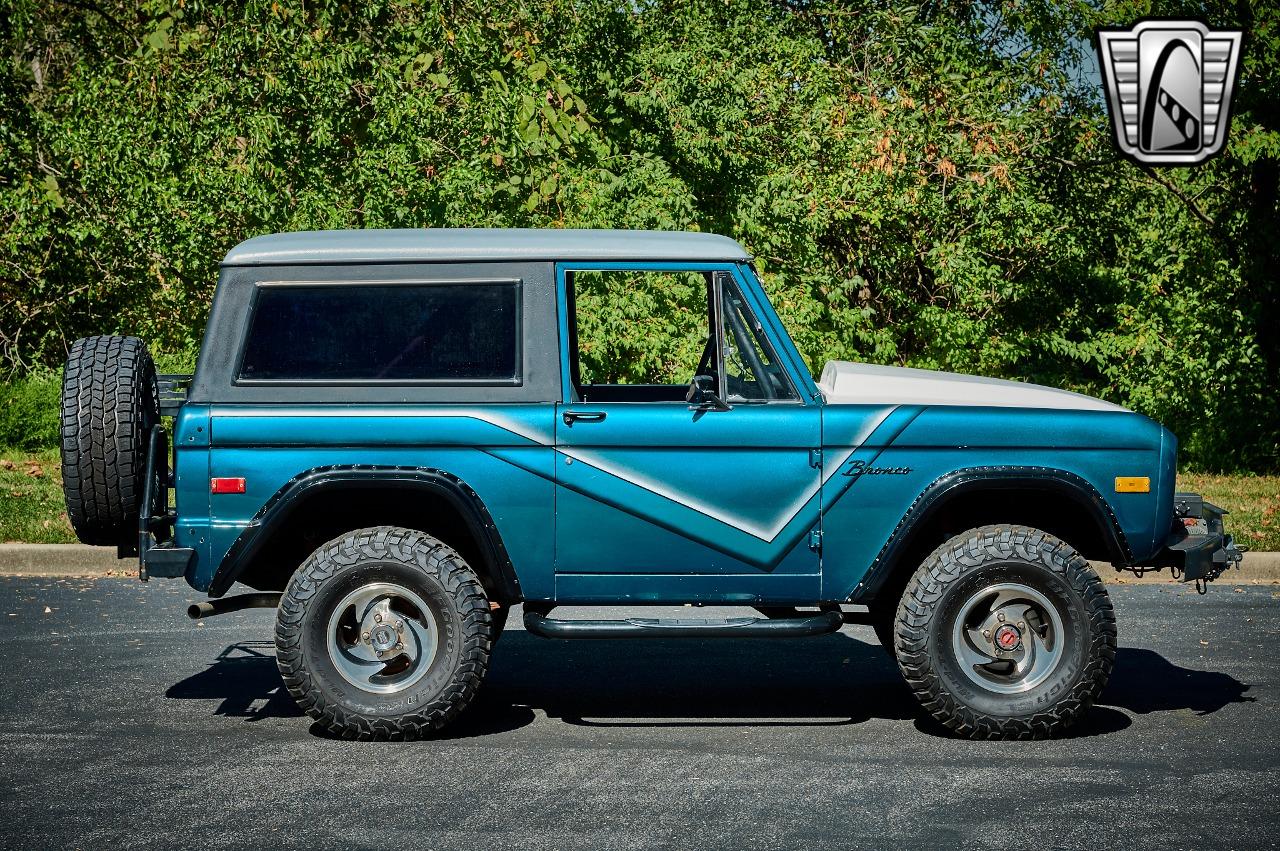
pixel 858 469
pixel 1168 86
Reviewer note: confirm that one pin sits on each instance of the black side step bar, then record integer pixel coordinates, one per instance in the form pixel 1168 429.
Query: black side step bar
pixel 821 623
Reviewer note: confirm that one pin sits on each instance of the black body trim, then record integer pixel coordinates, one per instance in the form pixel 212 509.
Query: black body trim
pixel 355 476
pixel 969 479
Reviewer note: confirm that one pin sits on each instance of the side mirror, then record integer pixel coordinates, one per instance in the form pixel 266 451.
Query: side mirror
pixel 702 395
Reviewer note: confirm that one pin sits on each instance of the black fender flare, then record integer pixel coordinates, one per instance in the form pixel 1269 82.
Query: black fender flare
pixel 294 493
pixel 970 479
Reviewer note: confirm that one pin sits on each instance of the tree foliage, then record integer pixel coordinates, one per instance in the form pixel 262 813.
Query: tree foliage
pixel 929 185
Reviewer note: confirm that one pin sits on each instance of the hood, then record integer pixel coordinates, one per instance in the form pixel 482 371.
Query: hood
pixel 845 382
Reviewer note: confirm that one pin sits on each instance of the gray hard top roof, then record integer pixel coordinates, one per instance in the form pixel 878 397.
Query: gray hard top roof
pixel 477 244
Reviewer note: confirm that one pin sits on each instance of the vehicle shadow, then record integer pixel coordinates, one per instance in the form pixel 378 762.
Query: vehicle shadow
pixel 831 681
pixel 1144 682
pixel 244 680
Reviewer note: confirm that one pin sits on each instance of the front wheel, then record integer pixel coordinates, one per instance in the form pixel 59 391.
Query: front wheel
pixel 1006 632
pixel 383 633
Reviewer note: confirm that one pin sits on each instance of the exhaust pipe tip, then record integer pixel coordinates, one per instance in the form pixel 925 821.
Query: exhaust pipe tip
pixel 223 605
pixel 197 611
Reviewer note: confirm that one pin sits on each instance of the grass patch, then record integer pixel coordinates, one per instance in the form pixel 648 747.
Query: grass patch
pixel 29 412
pixel 1254 503
pixel 32 510
pixel 31 505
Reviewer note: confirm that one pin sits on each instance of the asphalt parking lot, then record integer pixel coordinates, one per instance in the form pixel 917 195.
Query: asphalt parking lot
pixel 123 724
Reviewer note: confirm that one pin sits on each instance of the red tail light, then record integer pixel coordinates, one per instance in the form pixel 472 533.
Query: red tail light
pixel 226 485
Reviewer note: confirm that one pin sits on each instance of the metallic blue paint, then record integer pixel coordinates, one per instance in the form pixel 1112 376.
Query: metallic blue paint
pixel 1097 446
pixel 659 489
pixel 503 452
pixel 660 504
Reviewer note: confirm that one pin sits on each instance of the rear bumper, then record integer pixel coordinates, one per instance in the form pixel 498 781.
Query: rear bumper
pixel 1198 547
pixel 165 561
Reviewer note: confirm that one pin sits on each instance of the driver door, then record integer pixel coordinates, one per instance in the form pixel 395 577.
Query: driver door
pixel 661 500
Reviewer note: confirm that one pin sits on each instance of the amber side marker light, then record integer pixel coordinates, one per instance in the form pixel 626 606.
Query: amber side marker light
pixel 1133 484
pixel 226 486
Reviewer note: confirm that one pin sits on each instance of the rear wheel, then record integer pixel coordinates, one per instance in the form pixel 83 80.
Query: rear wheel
pixel 1006 632
pixel 109 404
pixel 383 633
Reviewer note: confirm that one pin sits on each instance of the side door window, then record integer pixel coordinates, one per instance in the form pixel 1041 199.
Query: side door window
pixel 638 335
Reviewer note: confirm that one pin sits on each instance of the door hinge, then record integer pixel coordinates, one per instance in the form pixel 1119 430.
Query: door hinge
pixel 815 458
pixel 815 540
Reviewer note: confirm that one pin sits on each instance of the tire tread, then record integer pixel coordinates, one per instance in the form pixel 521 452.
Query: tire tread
pixel 411 548
pixel 109 403
pixel 973 550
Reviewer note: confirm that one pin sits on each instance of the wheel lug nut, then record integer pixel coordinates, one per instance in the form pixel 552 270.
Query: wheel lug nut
pixel 1000 616
pixel 378 617
pixel 379 654
pixel 365 637
pixel 399 625
pixel 1021 625
pixel 986 633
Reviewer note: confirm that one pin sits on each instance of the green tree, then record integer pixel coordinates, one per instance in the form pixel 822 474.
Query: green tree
pixel 929 185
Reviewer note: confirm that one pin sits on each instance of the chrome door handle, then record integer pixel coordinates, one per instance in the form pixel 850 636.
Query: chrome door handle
pixel 584 416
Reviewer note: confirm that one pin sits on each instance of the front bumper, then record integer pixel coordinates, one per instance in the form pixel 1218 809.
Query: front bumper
pixel 1198 548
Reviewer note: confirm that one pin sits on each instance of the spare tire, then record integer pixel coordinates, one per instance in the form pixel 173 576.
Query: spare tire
pixel 109 404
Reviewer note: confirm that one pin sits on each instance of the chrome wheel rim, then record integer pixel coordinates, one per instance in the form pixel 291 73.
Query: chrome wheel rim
pixel 1008 638
pixel 382 638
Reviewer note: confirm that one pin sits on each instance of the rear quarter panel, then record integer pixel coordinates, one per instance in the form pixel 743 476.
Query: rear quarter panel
pixel 503 452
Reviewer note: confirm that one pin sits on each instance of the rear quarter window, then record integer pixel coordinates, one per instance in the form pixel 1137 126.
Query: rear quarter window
pixel 438 333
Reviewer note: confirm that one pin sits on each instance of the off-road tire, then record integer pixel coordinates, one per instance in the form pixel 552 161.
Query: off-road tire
pixel 415 561
pixel 991 555
pixel 109 404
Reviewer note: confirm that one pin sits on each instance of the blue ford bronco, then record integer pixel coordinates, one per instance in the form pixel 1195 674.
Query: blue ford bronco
pixel 395 436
